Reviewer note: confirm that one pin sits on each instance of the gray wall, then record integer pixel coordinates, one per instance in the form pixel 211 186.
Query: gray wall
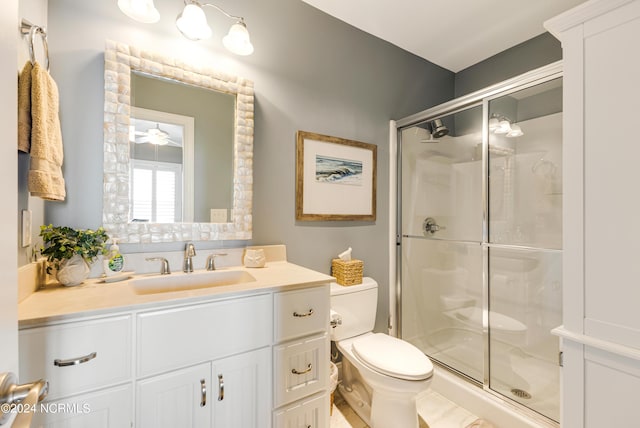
pixel 311 72
pixel 541 50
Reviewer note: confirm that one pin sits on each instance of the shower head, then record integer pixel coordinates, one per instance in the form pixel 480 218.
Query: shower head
pixel 438 129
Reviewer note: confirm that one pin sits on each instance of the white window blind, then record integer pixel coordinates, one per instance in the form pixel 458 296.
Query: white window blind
pixel 156 191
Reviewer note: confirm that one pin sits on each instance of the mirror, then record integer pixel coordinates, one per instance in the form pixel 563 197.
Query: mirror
pixel 219 211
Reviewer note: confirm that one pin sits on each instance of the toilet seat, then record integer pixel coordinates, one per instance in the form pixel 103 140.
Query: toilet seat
pixel 392 357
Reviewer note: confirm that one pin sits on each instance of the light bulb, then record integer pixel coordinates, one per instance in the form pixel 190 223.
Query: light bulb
pixel 237 40
pixel 493 124
pixel 503 127
pixel 140 10
pixel 192 23
pixel 515 131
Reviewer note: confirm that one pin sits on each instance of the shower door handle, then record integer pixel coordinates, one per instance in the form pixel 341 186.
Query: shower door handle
pixel 430 226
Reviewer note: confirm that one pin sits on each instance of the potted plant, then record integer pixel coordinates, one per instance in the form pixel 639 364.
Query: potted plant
pixel 70 251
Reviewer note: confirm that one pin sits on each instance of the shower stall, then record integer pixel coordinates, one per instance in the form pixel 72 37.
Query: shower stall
pixel 479 237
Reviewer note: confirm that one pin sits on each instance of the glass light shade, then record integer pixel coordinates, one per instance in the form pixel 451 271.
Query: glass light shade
pixel 516 131
pixel 493 124
pixel 192 23
pixel 140 10
pixel 237 40
pixel 503 127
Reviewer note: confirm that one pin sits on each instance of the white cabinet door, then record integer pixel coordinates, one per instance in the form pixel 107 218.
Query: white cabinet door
pixel 109 408
pixel 180 398
pixel 242 397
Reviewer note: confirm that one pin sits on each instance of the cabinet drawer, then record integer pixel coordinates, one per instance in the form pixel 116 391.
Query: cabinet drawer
pixel 301 312
pixel 108 408
pixel 301 368
pixel 189 335
pixel 79 356
pixel 311 412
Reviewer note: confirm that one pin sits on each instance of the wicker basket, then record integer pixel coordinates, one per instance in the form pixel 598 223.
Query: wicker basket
pixel 347 272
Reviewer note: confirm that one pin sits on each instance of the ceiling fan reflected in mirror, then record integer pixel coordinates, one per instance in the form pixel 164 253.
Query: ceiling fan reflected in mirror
pixel 156 133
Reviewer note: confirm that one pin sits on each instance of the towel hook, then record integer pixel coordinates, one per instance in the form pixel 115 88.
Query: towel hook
pixel 31 30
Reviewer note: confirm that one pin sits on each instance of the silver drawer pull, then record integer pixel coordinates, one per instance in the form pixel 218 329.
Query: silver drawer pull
pixel 203 393
pixel 74 361
pixel 294 371
pixel 220 388
pixel 308 314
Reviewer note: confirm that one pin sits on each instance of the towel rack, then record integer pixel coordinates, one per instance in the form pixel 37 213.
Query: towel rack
pixel 29 29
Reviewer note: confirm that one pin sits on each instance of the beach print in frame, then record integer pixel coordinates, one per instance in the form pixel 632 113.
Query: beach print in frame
pixel 335 178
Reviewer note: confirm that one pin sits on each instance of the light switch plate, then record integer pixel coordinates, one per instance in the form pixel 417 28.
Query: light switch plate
pixel 26 228
pixel 218 215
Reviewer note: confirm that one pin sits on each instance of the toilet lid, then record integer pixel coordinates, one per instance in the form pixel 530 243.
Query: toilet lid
pixel 393 357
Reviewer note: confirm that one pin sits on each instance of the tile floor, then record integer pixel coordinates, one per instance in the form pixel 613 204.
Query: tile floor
pixel 434 410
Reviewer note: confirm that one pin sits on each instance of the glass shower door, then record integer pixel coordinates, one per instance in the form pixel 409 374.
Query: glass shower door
pixel 480 257
pixel 525 245
pixel 442 255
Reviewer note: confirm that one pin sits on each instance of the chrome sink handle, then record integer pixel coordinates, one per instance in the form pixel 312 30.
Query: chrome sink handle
pixel 164 267
pixel 211 264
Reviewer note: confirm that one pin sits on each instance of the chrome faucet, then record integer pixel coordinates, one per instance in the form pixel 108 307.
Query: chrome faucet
pixel 211 264
pixel 164 267
pixel 189 252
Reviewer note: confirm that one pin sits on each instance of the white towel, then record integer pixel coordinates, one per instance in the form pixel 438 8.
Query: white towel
pixel 45 170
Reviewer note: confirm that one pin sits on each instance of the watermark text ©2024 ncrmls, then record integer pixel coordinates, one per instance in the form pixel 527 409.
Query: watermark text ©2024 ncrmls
pixel 52 408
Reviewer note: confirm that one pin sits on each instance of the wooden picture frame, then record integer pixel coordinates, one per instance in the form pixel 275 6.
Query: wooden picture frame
pixel 335 178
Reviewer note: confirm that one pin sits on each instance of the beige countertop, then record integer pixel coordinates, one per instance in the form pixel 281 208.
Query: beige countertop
pixel 97 298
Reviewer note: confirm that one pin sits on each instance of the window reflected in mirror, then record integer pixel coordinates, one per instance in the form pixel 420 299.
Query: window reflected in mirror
pixel 207 160
pixel 158 149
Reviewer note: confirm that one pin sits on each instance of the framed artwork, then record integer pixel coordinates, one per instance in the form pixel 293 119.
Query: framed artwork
pixel 335 178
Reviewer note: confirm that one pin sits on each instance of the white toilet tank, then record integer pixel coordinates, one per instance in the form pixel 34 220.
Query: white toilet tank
pixel 356 305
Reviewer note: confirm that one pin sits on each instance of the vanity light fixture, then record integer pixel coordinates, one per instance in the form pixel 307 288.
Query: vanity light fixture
pixel 192 23
pixel 140 10
pixel 502 125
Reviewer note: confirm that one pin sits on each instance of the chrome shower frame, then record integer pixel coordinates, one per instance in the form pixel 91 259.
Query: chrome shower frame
pixel 475 99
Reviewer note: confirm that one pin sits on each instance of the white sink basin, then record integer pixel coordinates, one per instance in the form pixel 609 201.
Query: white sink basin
pixel 189 281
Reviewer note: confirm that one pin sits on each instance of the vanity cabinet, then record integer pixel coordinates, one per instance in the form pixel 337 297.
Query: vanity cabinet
pixel 230 392
pixel 226 349
pixel 258 360
pixel 301 358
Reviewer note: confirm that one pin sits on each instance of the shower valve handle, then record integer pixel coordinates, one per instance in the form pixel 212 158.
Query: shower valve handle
pixel 430 226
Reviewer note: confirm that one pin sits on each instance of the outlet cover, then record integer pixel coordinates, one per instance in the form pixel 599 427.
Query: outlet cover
pixel 26 228
pixel 218 215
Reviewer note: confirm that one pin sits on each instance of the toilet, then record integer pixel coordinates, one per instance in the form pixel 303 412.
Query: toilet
pixel 382 376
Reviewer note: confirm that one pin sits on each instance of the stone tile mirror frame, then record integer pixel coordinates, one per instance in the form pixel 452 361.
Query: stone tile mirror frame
pixel 120 61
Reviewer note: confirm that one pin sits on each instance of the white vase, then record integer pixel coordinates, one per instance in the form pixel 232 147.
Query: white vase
pixel 73 271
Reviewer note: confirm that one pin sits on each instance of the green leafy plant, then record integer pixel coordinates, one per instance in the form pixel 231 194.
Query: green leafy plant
pixel 62 242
